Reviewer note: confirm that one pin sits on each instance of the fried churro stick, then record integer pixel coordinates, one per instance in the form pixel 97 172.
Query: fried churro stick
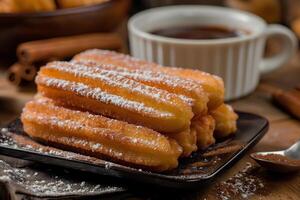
pixel 189 90
pixel 212 85
pixel 225 121
pixel 204 128
pixel 99 136
pixel 113 95
pixel 187 140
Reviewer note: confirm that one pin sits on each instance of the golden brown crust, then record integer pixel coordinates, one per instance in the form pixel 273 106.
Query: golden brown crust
pixel 113 95
pixel 225 121
pixel 184 106
pixel 204 128
pixel 189 90
pixel 212 85
pixel 187 140
pixel 100 136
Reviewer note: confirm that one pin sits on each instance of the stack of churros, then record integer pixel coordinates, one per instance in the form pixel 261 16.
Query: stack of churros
pixel 112 106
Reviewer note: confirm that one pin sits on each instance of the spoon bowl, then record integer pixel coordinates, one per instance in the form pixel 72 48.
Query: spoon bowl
pixel 293 151
pixel 280 165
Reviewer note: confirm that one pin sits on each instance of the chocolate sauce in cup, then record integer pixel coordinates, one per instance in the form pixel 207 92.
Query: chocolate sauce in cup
pixel 199 32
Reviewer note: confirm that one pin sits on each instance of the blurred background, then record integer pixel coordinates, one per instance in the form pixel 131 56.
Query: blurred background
pixel 29 20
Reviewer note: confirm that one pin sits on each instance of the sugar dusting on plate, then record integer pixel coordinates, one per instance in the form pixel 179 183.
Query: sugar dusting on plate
pixel 42 181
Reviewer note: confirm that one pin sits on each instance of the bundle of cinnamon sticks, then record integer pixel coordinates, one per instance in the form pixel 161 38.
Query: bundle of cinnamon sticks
pixel 33 54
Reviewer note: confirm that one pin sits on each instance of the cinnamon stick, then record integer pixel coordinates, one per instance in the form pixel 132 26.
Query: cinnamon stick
pixel 29 72
pixel 66 47
pixel 289 100
pixel 14 74
pixel 19 73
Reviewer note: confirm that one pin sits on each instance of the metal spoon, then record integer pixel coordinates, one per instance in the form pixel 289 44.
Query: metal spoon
pixel 292 153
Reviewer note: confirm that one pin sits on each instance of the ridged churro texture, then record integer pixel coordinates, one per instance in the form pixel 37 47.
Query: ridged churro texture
pixel 190 91
pixel 187 140
pixel 187 83
pixel 204 127
pixel 226 120
pixel 111 94
pixel 99 136
pixel 212 85
pixel 113 106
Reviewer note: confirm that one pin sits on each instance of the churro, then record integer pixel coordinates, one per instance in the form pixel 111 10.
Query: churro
pixel 226 120
pixel 108 93
pixel 187 140
pixel 187 89
pixel 99 136
pixel 204 128
pixel 212 85
pixel 109 105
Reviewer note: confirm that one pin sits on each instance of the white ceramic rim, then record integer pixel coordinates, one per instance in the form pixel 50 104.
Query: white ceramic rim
pixel 135 19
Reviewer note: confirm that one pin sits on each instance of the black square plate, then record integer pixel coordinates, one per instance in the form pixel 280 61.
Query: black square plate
pixel 199 168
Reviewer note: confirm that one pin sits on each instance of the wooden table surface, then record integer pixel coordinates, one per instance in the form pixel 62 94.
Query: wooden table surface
pixel 284 130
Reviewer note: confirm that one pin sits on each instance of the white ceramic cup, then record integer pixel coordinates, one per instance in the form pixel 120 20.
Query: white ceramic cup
pixel 238 60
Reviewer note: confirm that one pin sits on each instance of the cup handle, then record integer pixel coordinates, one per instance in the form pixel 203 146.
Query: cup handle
pixel 289 42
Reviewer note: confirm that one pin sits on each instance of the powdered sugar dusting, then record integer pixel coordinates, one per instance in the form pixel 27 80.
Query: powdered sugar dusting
pixel 98 94
pixel 88 119
pixel 115 136
pixel 46 182
pixel 96 55
pixel 148 75
pixel 114 79
pixel 104 56
pixel 172 84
